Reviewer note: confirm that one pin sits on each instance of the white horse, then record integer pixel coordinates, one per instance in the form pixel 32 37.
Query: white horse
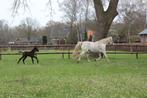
pixel 94 47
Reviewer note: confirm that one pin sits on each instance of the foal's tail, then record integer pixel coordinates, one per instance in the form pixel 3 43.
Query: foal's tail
pixel 20 52
pixel 77 50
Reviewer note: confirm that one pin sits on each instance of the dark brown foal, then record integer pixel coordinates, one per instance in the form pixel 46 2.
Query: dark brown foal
pixel 31 54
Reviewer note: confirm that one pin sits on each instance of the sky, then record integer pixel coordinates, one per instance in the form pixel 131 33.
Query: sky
pixel 38 11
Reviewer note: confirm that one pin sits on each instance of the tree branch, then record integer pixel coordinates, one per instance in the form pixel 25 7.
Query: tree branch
pixel 112 8
pixel 19 3
pixel 99 8
pixel 111 12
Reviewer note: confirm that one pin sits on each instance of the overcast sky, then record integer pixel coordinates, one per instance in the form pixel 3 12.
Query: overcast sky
pixel 39 12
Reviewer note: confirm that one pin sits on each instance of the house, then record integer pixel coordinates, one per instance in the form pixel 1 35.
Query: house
pixel 25 41
pixel 143 36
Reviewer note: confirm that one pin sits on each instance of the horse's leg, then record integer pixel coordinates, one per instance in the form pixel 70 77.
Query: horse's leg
pixel 24 59
pixel 105 55
pixel 81 54
pixel 36 59
pixel 76 56
pixel 87 55
pixel 79 57
pixel 20 59
pixel 100 56
pixel 32 60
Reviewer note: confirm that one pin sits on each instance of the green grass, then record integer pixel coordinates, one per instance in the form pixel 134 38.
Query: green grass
pixel 123 77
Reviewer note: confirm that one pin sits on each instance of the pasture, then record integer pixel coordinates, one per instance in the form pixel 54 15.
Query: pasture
pixel 123 77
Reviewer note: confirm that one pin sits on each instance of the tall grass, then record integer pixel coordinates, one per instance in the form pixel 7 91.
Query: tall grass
pixel 123 77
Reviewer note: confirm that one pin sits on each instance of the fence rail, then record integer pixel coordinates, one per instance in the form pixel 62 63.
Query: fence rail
pixel 124 47
pixel 117 48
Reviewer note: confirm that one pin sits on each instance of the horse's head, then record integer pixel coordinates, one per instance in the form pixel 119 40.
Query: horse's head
pixel 110 41
pixel 36 49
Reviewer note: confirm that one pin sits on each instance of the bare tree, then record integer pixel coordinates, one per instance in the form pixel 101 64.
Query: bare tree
pixel 104 18
pixel 56 30
pixel 4 32
pixel 86 13
pixel 131 21
pixel 71 10
pixel 30 26
pixel 27 29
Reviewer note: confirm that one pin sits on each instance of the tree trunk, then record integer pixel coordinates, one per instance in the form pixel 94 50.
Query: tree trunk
pixel 104 18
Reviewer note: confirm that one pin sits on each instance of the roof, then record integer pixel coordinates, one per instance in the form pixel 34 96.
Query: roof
pixel 143 32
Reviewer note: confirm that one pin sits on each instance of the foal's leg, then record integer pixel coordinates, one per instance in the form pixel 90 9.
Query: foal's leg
pixel 36 59
pixel 20 59
pixel 24 59
pixel 32 60
pixel 100 56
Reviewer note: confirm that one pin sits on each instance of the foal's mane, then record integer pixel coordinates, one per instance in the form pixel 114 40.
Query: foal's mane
pixel 34 49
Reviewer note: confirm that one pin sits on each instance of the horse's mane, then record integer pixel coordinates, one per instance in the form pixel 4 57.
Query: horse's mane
pixel 77 49
pixel 105 40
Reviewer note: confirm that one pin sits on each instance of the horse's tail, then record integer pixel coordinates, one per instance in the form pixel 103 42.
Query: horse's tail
pixel 77 49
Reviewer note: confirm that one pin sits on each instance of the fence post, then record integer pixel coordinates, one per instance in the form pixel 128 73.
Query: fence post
pixel 0 54
pixel 115 48
pixel 62 55
pixel 136 55
pixel 137 52
pixel 68 53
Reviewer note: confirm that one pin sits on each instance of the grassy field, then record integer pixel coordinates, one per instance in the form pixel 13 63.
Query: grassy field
pixel 123 77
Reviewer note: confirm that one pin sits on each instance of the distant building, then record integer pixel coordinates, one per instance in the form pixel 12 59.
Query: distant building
pixel 25 41
pixel 58 41
pixel 143 36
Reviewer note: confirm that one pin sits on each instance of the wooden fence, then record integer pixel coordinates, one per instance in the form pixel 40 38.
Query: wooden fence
pixel 115 49
pixel 68 49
